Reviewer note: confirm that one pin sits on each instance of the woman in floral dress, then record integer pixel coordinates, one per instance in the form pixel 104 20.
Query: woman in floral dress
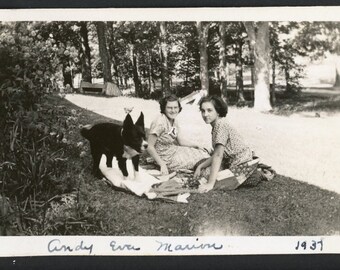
pixel 167 145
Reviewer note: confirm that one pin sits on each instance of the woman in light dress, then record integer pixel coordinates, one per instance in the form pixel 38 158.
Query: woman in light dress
pixel 169 147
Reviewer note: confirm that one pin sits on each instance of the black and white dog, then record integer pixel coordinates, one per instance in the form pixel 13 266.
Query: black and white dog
pixel 123 142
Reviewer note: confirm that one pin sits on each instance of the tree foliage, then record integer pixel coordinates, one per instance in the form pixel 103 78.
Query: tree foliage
pixel 319 38
pixel 285 48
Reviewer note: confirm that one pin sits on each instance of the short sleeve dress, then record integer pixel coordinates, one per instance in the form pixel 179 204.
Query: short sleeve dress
pixel 176 156
pixel 236 151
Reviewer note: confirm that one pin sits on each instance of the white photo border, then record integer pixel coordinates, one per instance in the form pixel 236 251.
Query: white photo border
pixel 150 246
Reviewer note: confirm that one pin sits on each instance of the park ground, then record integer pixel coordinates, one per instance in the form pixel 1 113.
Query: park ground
pixel 303 204
pixel 303 199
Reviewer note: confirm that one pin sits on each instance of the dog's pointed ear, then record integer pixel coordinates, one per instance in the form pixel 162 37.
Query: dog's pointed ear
pixel 140 121
pixel 128 121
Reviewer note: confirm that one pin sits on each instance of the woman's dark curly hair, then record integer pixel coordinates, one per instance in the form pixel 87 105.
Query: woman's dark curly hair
pixel 220 106
pixel 167 99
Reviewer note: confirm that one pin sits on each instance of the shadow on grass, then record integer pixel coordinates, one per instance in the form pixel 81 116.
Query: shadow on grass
pixel 277 208
pixel 314 103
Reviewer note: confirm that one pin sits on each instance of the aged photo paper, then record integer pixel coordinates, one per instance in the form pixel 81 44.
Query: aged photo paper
pixel 283 98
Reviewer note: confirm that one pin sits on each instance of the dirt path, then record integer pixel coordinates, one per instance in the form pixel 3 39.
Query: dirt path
pixel 304 148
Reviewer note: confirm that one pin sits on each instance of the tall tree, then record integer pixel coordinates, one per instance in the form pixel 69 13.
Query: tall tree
pixel 203 31
pixel 187 55
pixel 284 50
pixel 239 70
pixel 273 85
pixel 235 38
pixel 85 57
pixel 112 45
pixel 67 40
pixel 223 60
pixel 164 58
pixel 103 51
pixel 258 33
pixel 150 71
pixel 251 63
pixel 131 34
pixel 136 79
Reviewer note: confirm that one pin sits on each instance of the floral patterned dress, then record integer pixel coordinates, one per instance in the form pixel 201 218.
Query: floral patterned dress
pixel 176 156
pixel 236 151
pixel 236 154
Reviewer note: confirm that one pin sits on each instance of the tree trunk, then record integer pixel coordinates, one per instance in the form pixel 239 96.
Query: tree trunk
pixel 67 75
pixel 112 52
pixel 260 40
pixel 164 59
pixel 252 68
pixel 203 29
pixel 337 79
pixel 287 77
pixel 85 53
pixel 252 75
pixel 150 72
pixel 337 74
pixel 136 79
pixel 223 61
pixel 239 73
pixel 273 85
pixel 186 79
pixel 104 54
pixel 126 82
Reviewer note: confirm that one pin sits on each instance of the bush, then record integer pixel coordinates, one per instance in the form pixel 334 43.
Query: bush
pixel 37 148
pixel 36 132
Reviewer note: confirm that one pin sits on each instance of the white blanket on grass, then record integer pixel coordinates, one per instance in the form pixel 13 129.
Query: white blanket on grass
pixel 139 186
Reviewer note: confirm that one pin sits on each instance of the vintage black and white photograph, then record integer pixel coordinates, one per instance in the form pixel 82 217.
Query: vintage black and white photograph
pixel 170 127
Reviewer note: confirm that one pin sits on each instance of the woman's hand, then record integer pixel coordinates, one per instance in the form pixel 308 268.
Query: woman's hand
pixel 216 160
pixel 153 153
pixel 164 168
pixel 203 188
pixel 197 172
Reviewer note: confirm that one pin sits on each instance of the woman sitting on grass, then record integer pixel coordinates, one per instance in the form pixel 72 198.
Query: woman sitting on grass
pixel 230 150
pixel 167 144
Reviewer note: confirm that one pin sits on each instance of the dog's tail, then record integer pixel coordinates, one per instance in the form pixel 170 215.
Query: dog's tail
pixel 85 131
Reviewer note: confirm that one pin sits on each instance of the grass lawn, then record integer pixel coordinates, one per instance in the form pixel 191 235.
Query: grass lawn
pixel 283 206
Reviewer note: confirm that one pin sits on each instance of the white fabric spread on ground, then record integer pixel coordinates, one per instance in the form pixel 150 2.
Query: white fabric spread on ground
pixel 139 186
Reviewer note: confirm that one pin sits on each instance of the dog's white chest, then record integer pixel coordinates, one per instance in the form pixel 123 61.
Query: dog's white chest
pixel 129 152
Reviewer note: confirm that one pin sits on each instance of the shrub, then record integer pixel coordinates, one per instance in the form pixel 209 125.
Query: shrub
pixel 35 133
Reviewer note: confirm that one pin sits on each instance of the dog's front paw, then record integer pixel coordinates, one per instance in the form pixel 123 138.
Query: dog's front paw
pixel 137 176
